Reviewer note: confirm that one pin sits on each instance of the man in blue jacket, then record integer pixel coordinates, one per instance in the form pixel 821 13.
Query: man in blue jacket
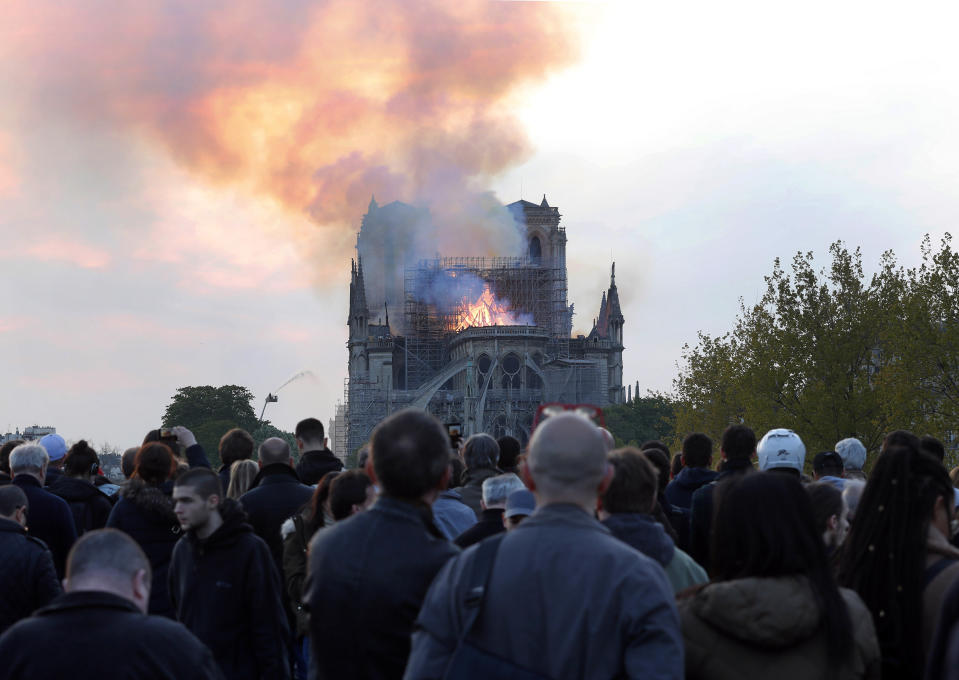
pixel 697 457
pixel 565 599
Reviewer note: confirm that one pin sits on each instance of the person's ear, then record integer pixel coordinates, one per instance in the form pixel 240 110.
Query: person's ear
pixel 213 502
pixel 370 472
pixel 20 515
pixel 607 479
pixel 527 477
pixel 141 590
pixel 832 523
pixel 682 458
pixel 445 480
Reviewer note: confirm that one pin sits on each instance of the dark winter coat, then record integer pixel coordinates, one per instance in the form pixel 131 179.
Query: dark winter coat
pixel 94 635
pixel 701 510
pixel 367 578
pixel 90 506
pixel 49 519
pixel 770 628
pixel 296 540
pixel 471 493
pixel 276 495
pixel 314 465
pixel 27 573
pixel 224 474
pixel 145 512
pixel 226 590
pixel 490 524
pixel 679 492
pixel 54 475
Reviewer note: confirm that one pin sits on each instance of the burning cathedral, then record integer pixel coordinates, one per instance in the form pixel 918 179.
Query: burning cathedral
pixel 478 341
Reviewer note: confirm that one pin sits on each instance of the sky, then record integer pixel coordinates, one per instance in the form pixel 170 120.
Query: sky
pixel 181 183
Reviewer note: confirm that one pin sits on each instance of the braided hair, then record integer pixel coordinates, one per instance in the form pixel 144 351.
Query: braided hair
pixel 884 554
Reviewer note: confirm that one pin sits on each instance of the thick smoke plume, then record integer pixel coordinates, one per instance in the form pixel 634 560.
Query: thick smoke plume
pixel 315 104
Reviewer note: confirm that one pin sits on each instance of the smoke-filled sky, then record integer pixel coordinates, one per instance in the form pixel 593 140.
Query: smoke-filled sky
pixel 181 183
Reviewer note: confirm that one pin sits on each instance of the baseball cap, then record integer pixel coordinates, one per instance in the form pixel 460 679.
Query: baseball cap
pixel 781 448
pixel 55 446
pixel 520 502
pixel 852 452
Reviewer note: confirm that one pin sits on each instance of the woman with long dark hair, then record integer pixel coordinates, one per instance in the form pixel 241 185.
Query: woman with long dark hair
pixel 145 512
pixel 772 609
pixel 897 555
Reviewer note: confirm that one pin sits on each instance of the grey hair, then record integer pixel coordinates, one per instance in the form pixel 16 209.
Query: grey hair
pixel 497 489
pixel 28 458
pixel 480 451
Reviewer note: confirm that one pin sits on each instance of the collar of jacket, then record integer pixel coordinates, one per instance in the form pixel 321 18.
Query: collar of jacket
pixel 325 454
pixel 493 515
pixel 733 466
pixel 477 476
pixel 568 514
pixel 88 599
pixel 451 493
pixel 23 479
pixel 9 526
pixel 234 525
pixel 644 533
pixel 419 512
pixel 275 473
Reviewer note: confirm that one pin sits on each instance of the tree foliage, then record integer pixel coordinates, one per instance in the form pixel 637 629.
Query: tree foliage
pixel 209 412
pixel 833 354
pixel 642 419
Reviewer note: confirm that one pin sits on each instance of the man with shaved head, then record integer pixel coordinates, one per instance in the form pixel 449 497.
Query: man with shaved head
pixel 275 496
pixel 107 593
pixel 566 598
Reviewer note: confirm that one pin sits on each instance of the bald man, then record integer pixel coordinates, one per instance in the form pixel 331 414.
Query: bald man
pixel 566 598
pixel 277 494
pixel 104 608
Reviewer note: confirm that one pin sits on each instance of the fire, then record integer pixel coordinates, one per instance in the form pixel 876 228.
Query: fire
pixel 488 311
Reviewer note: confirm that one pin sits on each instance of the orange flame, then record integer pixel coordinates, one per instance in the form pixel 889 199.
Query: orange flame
pixel 488 311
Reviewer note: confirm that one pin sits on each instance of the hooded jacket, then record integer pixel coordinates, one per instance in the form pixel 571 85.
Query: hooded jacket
pixel 145 512
pixel 227 591
pixel 90 506
pixel 314 465
pixel 770 628
pixel 26 572
pixel 91 635
pixel 648 537
pixel 679 492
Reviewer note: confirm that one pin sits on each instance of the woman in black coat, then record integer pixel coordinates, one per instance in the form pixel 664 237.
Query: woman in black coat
pixel 145 512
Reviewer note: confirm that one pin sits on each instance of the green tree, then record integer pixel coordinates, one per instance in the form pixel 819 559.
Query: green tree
pixel 642 419
pixel 832 353
pixel 266 430
pixel 209 412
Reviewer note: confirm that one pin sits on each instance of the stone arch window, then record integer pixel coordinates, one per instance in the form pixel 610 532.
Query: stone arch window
pixel 511 371
pixel 535 249
pixel 483 363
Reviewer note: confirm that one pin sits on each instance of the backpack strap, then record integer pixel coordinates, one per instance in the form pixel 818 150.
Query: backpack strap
pixel 479 578
pixel 936 568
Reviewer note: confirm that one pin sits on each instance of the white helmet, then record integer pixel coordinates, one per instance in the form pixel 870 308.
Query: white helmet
pixel 781 448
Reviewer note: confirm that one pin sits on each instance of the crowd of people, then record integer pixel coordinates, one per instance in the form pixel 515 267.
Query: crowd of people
pixel 438 559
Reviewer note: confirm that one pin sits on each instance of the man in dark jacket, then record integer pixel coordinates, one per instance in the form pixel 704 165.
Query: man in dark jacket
pixel 99 629
pixel 495 492
pixel 236 444
pixel 566 599
pixel 737 449
pixel 50 518
pixel 223 583
pixel 315 459
pixel 367 575
pixel 697 456
pixel 481 455
pixel 275 496
pixel 90 506
pixel 26 570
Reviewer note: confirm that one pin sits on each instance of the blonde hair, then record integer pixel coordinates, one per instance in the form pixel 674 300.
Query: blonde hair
pixel 242 474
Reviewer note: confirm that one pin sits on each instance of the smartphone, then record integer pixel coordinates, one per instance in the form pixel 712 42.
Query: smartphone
pixel 167 433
